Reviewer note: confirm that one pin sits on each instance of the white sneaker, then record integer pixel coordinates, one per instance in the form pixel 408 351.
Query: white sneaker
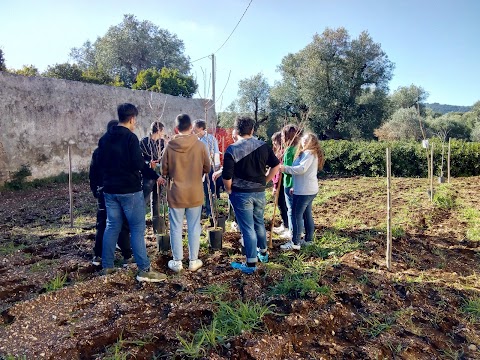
pixel 290 246
pixel 175 265
pixel 286 235
pixel 234 226
pixel 279 230
pixel 195 265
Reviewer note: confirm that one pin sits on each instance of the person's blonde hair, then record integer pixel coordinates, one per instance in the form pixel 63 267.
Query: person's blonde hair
pixel 312 144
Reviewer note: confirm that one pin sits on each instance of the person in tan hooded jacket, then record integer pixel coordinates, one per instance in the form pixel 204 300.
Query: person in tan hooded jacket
pixel 184 162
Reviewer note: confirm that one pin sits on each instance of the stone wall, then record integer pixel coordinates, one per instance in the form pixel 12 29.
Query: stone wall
pixel 40 117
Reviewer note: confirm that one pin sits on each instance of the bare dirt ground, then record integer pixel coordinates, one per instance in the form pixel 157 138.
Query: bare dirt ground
pixel 334 299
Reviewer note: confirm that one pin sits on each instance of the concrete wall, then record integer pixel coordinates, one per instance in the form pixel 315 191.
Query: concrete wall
pixel 39 117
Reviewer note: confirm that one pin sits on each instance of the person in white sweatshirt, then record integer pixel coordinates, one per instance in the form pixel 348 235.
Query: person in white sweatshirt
pixel 308 161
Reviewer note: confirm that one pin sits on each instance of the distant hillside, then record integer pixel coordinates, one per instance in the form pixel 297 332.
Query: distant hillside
pixel 443 108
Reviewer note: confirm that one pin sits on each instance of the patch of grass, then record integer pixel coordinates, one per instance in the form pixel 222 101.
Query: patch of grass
pixel 19 179
pixel 377 324
pixel 330 244
pixel 42 265
pixel 56 283
pixel 324 195
pixel 346 223
pixel 300 285
pixel 118 351
pixel 451 353
pixel 444 197
pixel 215 291
pixel 471 308
pixel 231 319
pixel 472 217
pixel 194 348
pixel 10 247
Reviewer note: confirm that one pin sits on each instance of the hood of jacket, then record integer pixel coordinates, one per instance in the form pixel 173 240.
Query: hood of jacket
pixel 182 143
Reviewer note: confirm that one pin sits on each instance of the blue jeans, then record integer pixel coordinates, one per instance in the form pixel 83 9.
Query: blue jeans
pixel 133 206
pixel 249 210
pixel 194 229
pixel 302 213
pixel 290 216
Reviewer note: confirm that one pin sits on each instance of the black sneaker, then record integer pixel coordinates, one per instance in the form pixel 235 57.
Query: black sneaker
pixel 97 261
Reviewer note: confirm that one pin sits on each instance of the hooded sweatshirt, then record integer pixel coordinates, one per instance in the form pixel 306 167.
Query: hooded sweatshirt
pixel 184 162
pixel 121 160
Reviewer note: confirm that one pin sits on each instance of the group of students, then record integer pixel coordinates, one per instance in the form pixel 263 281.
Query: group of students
pixel 125 173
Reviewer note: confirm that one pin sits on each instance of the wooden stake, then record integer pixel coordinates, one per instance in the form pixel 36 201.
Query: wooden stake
pixel 448 162
pixel 431 174
pixel 70 192
pixel 389 212
pixel 275 203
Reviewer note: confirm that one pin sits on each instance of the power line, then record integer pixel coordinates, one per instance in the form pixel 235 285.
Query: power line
pixel 238 23
pixel 235 26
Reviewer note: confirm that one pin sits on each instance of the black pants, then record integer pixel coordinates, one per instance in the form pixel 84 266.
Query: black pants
pixel 123 238
pixel 282 205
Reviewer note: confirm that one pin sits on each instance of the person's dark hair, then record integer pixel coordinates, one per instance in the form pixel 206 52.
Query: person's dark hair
pixel 244 125
pixel 156 126
pixel 183 122
pixel 126 111
pixel 111 124
pixel 201 124
pixel 277 139
pixel 291 134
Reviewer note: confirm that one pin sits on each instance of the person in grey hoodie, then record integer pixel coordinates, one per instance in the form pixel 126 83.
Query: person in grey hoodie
pixel 185 161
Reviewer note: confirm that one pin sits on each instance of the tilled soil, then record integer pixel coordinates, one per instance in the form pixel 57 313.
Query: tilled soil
pixel 416 310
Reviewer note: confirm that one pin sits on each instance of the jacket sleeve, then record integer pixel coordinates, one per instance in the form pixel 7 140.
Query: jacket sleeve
pixel 302 167
pixel 164 162
pixel 206 160
pixel 94 174
pixel 137 161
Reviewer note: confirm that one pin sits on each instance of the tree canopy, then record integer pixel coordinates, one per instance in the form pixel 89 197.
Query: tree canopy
pixel 339 81
pixel 166 81
pixel 130 47
pixel 3 67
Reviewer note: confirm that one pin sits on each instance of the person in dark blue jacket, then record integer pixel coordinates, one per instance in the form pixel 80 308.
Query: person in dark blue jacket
pixel 122 163
pixel 96 185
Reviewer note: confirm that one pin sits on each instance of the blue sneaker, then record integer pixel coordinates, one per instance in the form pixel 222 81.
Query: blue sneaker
pixel 262 258
pixel 243 267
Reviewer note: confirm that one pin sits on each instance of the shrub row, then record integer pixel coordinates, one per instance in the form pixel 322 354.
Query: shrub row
pixel 409 159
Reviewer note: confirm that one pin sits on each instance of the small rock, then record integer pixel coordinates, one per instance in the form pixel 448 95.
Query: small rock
pixel 332 351
pixel 333 332
pixel 316 321
pixel 42 354
pixel 331 317
pixel 472 347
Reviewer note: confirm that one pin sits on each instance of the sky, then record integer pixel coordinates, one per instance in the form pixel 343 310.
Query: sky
pixel 434 44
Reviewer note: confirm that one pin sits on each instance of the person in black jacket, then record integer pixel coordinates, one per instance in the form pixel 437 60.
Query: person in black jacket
pixel 152 149
pixel 122 162
pixel 96 185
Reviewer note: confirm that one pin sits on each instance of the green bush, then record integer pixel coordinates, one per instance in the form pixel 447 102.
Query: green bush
pixel 18 181
pixel 409 159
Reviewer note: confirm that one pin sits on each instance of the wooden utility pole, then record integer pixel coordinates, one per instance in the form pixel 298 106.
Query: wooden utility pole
pixel 70 192
pixel 431 174
pixel 213 86
pixel 389 211
pixel 448 161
